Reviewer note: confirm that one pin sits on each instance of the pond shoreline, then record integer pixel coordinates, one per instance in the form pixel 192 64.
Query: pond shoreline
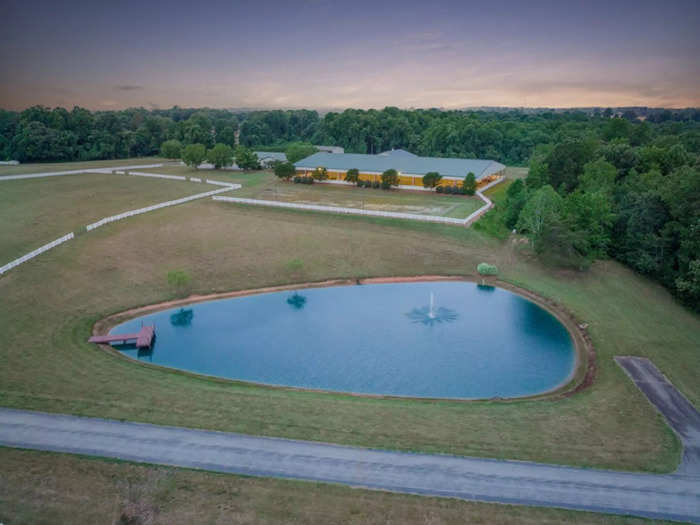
pixel 581 377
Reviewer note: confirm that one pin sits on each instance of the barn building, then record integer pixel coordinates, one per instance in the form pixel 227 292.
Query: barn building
pixel 410 167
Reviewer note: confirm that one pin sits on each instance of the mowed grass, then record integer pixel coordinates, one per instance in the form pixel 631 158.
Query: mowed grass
pixel 50 304
pixel 44 167
pixel 34 212
pixel 37 487
pixel 265 185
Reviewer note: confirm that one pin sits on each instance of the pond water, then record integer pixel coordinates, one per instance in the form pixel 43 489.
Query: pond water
pixel 431 339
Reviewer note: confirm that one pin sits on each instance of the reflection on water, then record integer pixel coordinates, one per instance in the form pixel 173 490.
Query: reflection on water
pixel 144 354
pixel 296 301
pixel 486 287
pixel 182 317
pixel 429 316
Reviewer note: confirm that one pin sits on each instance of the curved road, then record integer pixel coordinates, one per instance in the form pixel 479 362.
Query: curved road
pixel 656 496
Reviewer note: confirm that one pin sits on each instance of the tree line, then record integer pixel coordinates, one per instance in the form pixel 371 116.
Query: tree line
pixel 41 134
pixel 593 198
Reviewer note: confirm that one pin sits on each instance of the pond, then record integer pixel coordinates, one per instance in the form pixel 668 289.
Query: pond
pixel 450 339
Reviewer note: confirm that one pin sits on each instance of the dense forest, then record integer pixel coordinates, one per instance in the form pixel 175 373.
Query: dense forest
pixel 41 134
pixel 600 185
pixel 614 195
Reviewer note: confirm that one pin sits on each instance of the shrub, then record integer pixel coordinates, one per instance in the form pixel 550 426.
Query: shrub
pixel 431 179
pixel 487 269
pixel 376 184
pixel 439 189
pixel 297 179
pixel 469 184
pixel 390 178
pixel 320 173
pixel 353 175
pixel 180 281
pixel 284 170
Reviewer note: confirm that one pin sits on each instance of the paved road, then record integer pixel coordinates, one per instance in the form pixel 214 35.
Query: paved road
pixel 680 414
pixel 657 496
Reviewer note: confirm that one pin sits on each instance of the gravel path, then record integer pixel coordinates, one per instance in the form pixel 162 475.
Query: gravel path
pixel 680 414
pixel 656 496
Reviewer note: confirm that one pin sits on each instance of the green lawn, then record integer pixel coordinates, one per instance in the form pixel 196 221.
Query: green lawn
pixel 37 488
pixel 49 305
pixel 66 166
pixel 265 186
pixel 36 211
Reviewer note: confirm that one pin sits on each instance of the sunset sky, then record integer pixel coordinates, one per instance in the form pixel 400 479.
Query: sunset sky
pixel 332 54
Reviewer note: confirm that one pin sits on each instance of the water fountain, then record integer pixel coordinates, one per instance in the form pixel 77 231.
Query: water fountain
pixel 430 315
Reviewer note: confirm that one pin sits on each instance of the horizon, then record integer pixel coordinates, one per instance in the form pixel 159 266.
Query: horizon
pixel 324 110
pixel 323 54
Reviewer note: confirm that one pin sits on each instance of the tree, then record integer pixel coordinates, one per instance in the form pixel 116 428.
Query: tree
pixel 390 178
pixel 543 207
pixel 616 128
pixel 565 163
pixel 220 155
pixel 431 179
pixel 598 175
pixel 284 170
pixel 352 175
pixel 320 174
pixel 194 154
pixel 171 149
pixel 517 195
pixel 591 215
pixel 469 184
pixel 299 150
pixel 246 159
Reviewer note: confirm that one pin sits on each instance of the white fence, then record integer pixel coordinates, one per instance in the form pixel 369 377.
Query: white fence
pixel 131 213
pixel 478 213
pixel 372 213
pixel 36 252
pixel 76 172
pixel 229 184
pixel 157 175
pixel 226 186
pixel 344 211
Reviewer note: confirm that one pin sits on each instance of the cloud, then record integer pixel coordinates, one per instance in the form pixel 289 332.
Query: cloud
pixel 127 87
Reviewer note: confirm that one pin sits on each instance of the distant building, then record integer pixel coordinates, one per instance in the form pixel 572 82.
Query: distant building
pixel 411 167
pixel 267 158
pixel 330 149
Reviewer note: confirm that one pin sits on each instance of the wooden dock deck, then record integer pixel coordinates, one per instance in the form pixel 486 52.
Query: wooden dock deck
pixel 142 339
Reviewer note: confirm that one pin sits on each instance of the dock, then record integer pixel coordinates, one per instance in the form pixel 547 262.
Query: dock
pixel 142 339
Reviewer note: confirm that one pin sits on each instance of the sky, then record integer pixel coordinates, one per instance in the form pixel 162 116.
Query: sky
pixel 337 54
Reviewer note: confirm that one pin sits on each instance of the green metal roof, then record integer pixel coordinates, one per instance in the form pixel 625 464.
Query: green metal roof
pixel 274 155
pixel 403 162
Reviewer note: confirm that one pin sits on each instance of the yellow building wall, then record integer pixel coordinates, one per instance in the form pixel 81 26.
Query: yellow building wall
pixel 404 180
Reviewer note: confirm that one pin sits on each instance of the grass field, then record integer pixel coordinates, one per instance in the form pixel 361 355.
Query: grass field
pixel 265 186
pixel 36 211
pixel 49 305
pixel 66 166
pixel 47 488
